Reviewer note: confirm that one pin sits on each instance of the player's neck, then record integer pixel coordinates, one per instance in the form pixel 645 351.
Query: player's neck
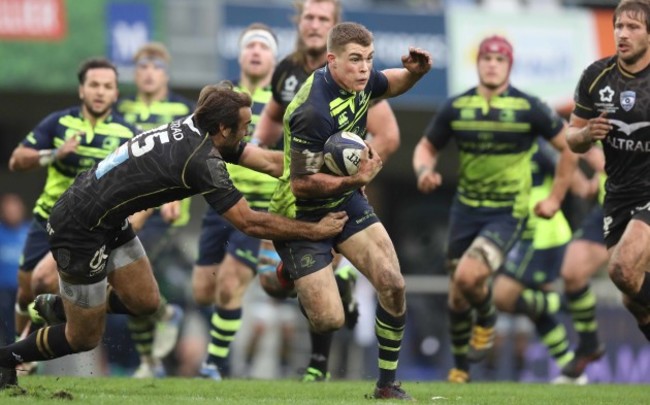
pixel 488 92
pixel 314 62
pixel 637 66
pixel 253 83
pixel 149 98
pixel 93 119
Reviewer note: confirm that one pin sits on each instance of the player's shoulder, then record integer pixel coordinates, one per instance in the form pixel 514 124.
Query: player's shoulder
pixel 598 69
pixel 56 117
pixel 178 98
pixel 116 120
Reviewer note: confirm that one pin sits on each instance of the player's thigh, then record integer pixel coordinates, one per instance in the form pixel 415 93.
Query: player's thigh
pixel 136 285
pixel 506 290
pixel 631 252
pixel 45 278
pixel 582 259
pixel 372 253
pixel 319 295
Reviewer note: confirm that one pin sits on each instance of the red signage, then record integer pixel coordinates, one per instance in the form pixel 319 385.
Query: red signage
pixel 32 19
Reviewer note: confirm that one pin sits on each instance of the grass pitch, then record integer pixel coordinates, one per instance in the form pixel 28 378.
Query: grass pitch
pixel 126 391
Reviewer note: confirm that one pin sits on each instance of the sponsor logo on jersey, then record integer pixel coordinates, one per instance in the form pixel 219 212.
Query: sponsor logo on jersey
pixel 606 94
pixel 627 99
pixel 290 88
pixel 628 129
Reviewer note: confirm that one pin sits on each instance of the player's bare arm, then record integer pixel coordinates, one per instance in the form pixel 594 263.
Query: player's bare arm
pixel 138 219
pixel 262 160
pixel 382 124
pixel 268 130
pixel 25 158
pixel 269 226
pixel 583 133
pixel 425 158
pixel 566 166
pixel 416 64
pixel 308 184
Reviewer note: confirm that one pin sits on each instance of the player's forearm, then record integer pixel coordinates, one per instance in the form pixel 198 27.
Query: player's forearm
pixel 400 81
pixel 23 159
pixel 425 158
pixel 320 185
pixel 564 172
pixel 264 225
pixel 579 139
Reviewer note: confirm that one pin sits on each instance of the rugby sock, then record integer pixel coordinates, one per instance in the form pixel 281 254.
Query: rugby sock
pixel 389 331
pixel 320 350
pixel 114 304
pixel 460 328
pixel 553 335
pixel 582 307
pixel 143 328
pixel 643 296
pixel 44 344
pixel 534 303
pixel 486 312
pixel 224 325
pixel 646 330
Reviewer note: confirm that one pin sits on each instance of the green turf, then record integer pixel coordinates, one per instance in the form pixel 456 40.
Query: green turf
pixel 125 391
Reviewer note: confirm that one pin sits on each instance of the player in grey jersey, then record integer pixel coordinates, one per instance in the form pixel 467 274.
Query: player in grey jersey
pixel 92 240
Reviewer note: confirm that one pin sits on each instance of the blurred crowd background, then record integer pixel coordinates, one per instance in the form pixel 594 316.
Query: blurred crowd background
pixel 42 43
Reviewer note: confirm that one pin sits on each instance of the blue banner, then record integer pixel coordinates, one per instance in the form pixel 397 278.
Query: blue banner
pixel 129 27
pixel 393 32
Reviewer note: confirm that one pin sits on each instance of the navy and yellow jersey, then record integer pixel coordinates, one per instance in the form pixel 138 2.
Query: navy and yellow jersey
pixel 606 86
pixel 320 109
pixel 545 233
pixel 155 167
pixel 96 143
pixel 287 79
pixel 255 186
pixel 148 116
pixel 495 139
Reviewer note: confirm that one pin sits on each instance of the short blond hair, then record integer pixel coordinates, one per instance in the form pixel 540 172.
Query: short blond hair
pixel 345 33
pixel 153 50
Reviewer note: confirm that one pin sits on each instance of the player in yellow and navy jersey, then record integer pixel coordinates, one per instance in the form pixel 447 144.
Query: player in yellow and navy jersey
pixel 228 258
pixel 334 98
pixel 495 126
pixel 153 105
pixel 314 19
pixel 66 143
pixel 524 285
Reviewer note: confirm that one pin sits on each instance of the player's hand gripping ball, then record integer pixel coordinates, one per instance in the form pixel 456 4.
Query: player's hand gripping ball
pixel 342 153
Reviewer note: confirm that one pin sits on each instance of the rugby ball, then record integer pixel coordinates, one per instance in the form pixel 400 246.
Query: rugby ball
pixel 342 153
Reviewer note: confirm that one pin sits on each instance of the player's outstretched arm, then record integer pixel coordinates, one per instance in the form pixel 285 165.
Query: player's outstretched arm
pixel 263 160
pixel 416 64
pixel 264 225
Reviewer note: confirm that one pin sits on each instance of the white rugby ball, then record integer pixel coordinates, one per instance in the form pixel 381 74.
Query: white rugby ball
pixel 342 153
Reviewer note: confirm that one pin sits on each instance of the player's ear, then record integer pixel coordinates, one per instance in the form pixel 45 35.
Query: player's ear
pixel 331 59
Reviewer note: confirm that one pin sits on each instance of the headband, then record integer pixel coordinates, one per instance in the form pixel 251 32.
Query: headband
pixel 262 36
pixel 157 62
